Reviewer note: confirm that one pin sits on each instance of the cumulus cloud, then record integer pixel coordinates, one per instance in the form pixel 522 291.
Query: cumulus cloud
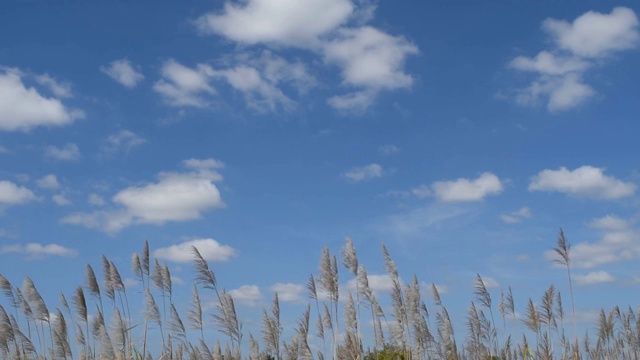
pixel 174 197
pixel 288 292
pixel 124 140
pixel 594 34
pixel 579 46
pixel 123 72
pixel 210 249
pixel 38 251
pixel 69 152
pixel 516 216
pixel 247 295
pixel 23 107
pixel 371 58
pixel 285 22
pixel 468 190
pixel 587 181
pixel 595 277
pixel 367 172
pixel 49 182
pixel 12 194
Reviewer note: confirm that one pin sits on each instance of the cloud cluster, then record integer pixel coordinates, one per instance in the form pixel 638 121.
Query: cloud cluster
pixel 174 197
pixel 587 42
pixel 370 60
pixel 259 80
pixel 24 107
pixel 619 242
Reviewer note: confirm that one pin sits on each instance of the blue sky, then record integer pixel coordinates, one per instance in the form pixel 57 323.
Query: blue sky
pixel 461 134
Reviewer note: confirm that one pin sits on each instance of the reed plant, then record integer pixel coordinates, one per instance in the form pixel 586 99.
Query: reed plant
pixel 98 322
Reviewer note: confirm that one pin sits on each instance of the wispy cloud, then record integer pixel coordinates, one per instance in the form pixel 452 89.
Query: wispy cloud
pixel 362 173
pixel 69 152
pixel 123 72
pixel 38 251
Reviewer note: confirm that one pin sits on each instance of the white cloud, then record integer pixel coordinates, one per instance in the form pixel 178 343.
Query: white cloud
pixel 362 173
pixel 596 277
pixel 108 221
pixel 421 191
pixel 468 190
pixel 95 199
pixel 516 216
pixel 595 34
pixel 569 93
pixel 12 194
pixel 38 251
pixel 377 283
pixel 123 72
pixel 59 89
pixel 560 71
pixel 286 22
pixel 549 64
pixel 183 86
pixel 203 164
pixel 388 149
pixel 288 292
pixel 124 140
pixel 370 58
pixel 490 283
pixel 60 200
pixel 618 243
pixel 23 108
pixel 49 182
pixel 584 181
pixel 355 102
pixel 414 224
pixel 3 150
pixel 248 295
pixel 211 250
pixel 259 94
pixel 174 197
pixel 70 152
pixel 609 222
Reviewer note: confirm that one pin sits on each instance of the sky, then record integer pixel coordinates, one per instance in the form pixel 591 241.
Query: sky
pixel 463 135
